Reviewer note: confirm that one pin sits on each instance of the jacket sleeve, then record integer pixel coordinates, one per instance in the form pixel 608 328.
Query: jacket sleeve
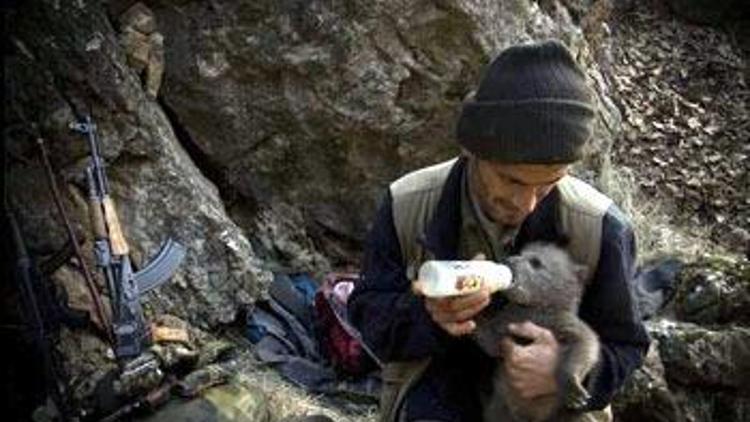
pixel 610 309
pixel 393 321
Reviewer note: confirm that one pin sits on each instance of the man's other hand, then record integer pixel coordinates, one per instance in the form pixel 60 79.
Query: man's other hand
pixel 531 367
pixel 454 313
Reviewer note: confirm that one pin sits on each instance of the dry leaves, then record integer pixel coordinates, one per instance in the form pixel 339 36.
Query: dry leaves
pixel 686 127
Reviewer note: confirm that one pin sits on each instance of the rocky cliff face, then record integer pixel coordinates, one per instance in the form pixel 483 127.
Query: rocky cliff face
pixel 317 105
pixel 68 63
pixel 259 134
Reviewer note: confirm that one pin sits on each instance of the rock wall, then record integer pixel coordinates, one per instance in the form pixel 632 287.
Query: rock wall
pixel 67 62
pixel 261 134
pixel 318 104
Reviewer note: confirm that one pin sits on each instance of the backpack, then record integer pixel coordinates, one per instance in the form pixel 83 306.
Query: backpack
pixel 339 341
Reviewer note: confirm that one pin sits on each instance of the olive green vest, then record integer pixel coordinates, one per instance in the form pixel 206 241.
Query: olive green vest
pixel 415 197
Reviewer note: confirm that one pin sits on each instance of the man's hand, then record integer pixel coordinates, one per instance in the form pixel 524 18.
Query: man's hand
pixel 531 367
pixel 454 313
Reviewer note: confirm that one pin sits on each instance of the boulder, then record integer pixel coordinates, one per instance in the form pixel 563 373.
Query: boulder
pixel 76 67
pixel 714 290
pixel 319 106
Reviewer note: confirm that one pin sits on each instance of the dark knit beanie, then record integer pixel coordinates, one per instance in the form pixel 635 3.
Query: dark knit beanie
pixel 532 106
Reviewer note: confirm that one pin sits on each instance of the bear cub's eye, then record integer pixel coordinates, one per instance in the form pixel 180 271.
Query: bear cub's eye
pixel 535 263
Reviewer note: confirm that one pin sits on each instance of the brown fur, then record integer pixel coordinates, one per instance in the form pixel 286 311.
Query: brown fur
pixel 546 290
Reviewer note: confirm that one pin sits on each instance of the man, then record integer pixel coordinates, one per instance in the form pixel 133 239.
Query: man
pixel 529 120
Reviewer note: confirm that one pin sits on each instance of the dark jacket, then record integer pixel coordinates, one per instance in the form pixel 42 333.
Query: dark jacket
pixel 396 325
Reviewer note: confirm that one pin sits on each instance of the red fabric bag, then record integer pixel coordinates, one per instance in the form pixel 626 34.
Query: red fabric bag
pixel 339 340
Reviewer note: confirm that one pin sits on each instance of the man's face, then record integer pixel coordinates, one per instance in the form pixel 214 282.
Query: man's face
pixel 507 193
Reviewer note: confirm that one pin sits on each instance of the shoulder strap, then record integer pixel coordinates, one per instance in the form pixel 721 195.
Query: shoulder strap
pixel 580 214
pixel 415 197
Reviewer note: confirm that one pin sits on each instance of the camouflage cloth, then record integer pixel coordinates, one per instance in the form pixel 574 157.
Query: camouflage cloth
pixel 230 402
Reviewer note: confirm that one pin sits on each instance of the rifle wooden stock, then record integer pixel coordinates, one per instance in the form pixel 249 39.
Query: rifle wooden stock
pixel 97 219
pixel 116 237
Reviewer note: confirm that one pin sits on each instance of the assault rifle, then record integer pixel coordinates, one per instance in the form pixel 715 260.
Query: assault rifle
pixel 111 251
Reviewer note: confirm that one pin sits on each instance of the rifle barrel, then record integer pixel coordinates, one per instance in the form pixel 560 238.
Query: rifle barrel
pixel 96 154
